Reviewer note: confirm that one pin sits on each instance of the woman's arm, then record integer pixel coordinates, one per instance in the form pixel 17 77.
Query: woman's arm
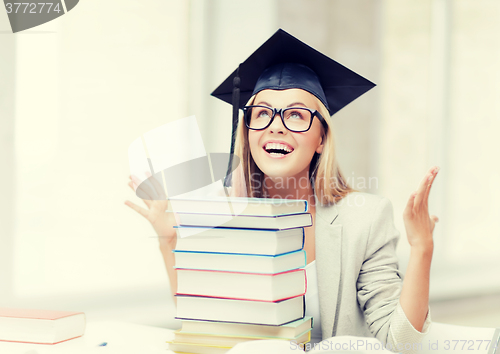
pixel 167 238
pixel 397 318
pixel 163 223
pixel 414 297
pixel 419 226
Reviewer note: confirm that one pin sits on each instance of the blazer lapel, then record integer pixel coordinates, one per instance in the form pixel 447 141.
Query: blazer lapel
pixel 328 239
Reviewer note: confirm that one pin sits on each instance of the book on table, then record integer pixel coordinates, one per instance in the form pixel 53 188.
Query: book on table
pixel 285 331
pixel 218 337
pixel 237 240
pixel 230 340
pixel 203 343
pixel 240 311
pixel 245 263
pixel 40 326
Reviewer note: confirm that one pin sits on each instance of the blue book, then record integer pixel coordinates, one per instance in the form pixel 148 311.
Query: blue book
pixel 239 206
pixel 273 222
pixel 243 263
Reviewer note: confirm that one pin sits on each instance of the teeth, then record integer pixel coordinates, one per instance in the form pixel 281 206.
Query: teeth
pixel 277 146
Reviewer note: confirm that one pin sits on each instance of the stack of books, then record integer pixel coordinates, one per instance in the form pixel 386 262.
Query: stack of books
pixel 240 273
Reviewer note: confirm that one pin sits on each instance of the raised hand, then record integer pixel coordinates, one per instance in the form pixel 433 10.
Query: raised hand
pixel 155 198
pixel 418 224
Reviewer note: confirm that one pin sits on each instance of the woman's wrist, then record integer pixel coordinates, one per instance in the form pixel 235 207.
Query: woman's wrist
pixel 166 244
pixel 167 239
pixel 167 236
pixel 425 248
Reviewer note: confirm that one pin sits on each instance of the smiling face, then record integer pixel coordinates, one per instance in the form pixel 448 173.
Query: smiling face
pixel 301 146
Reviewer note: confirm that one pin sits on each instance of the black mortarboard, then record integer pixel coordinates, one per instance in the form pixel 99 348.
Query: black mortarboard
pixel 284 62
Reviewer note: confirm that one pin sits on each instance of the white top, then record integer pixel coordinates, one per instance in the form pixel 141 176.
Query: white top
pixel 312 301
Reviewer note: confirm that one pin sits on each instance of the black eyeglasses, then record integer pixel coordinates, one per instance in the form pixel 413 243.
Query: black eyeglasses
pixel 295 119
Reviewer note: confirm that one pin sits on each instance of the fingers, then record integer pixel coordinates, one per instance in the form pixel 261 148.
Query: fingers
pixel 431 179
pixel 422 190
pixel 131 185
pixel 150 187
pixel 434 220
pixel 134 182
pixel 409 204
pixel 146 201
pixel 158 187
pixel 137 208
pixel 143 190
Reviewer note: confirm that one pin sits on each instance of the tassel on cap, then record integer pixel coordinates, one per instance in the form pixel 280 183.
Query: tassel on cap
pixel 236 104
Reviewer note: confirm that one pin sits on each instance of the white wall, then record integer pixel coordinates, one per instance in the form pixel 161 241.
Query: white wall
pixel 438 107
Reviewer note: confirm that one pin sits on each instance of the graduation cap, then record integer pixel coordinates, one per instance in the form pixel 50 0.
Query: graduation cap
pixel 284 62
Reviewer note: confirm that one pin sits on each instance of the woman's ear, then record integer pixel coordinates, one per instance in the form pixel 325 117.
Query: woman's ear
pixel 319 149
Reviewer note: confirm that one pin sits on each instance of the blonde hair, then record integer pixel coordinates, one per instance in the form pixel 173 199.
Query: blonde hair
pixel 328 182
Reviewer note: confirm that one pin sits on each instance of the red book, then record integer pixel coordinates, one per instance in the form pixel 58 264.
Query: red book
pixel 40 326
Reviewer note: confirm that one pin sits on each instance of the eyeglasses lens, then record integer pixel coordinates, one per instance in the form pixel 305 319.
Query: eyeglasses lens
pixel 295 119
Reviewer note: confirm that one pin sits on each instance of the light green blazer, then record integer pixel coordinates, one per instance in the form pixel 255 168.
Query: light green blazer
pixel 359 281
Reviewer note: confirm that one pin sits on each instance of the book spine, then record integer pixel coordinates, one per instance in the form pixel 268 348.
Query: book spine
pixel 239 254
pixel 233 272
pixel 244 323
pixel 239 298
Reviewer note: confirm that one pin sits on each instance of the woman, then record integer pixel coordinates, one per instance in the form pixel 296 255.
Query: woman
pixel 285 143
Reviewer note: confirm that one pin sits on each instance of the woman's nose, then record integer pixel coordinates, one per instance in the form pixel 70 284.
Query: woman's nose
pixel 277 125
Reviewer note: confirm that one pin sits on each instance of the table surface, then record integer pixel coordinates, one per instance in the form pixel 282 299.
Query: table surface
pixel 130 338
pixel 121 337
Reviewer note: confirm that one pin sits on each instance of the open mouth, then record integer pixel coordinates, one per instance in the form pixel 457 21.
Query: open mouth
pixel 277 149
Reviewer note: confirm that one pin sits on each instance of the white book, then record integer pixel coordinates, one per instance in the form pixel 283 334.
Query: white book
pixel 235 240
pixel 228 340
pixel 240 311
pixel 287 331
pixel 243 286
pixel 239 206
pixel 277 222
pixel 40 326
pixel 245 263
